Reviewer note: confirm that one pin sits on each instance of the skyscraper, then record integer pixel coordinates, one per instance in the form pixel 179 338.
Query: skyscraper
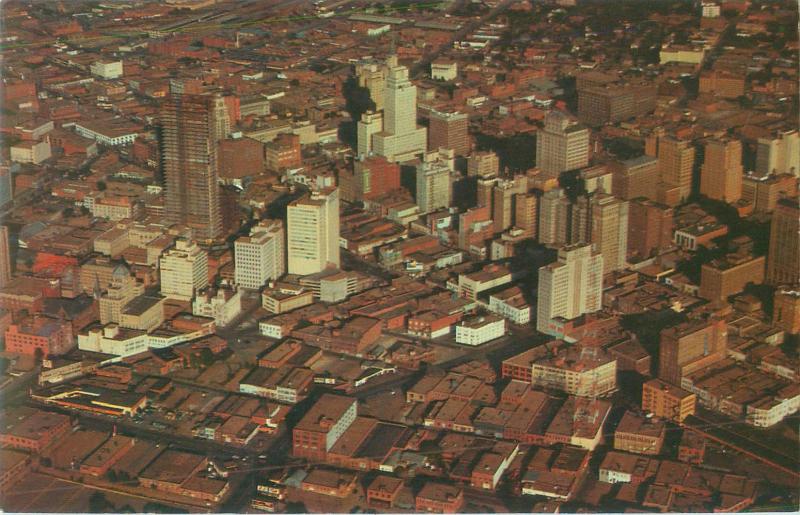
pixel 554 218
pixel 721 173
pixel 400 139
pixel 570 287
pixel 525 216
pixel 190 131
pixel 312 224
pixel 503 198
pixel 650 226
pixel 5 257
pixel 449 130
pixel 783 259
pixel 260 257
pixel 609 231
pixel 371 123
pixel 483 164
pixel 184 270
pixel 434 188
pixel 562 145
pixel 675 161
pixel 779 153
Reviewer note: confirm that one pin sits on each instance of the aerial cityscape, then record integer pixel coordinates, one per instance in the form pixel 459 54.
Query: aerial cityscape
pixel 366 256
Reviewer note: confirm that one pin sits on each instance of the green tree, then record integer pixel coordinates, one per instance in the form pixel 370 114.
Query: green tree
pixel 98 503
pixel 101 186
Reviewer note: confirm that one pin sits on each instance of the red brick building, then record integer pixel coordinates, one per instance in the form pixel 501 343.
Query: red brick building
pixel 50 336
pixel 322 425
pixel 32 429
pixel 370 178
pixel 283 152
pixel 439 498
pixel 650 227
pixel 383 491
pixel 240 158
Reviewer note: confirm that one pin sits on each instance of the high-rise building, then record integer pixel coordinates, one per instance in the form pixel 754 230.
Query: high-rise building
pixel 434 188
pixel 189 136
pixel 570 287
pixel 6 189
pixel 675 162
pixel 609 231
pixel 554 218
pixel 449 130
pixel 786 309
pixel 779 154
pixel 721 173
pixel 372 74
pixel 259 257
pixel 312 224
pixel 503 197
pixel 689 347
pixel 401 139
pixel 371 123
pixel 525 216
pixel 604 98
pixel 483 164
pixel 784 244
pixel 562 145
pixel 637 177
pixel 764 191
pixel 370 178
pixel 5 257
pixel 650 227
pixel 184 270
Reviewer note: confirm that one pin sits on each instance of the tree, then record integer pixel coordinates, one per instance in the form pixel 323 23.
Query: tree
pixel 112 476
pixel 101 185
pixel 98 503
pixel 206 357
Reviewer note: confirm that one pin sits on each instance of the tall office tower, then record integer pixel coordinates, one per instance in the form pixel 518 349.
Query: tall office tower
pixel 562 145
pixel 570 287
pixel 779 154
pixel 651 141
pixel 313 232
pixel 401 139
pixel 783 257
pixel 189 158
pixel 721 173
pixel 689 347
pixel 371 123
pixel 604 98
pixel 764 191
pixel 371 74
pixel 483 164
pixel 434 188
pixel 609 231
pixel 503 197
pixel 184 270
pixel 525 217
pixel 554 218
pixel 637 177
pixel 449 130
pixel 675 162
pixel 786 309
pixel 370 178
pixel 259 257
pixel 650 226
pixel 485 189
pixel 5 257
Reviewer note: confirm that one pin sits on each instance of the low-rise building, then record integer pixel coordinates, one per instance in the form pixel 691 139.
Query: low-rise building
pixel 667 401
pixel 480 329
pixel 639 434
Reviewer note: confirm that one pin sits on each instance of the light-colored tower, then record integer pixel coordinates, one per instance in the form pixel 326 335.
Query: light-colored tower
pixel 371 123
pixel 609 233
pixel 783 259
pixel 562 145
pixel 570 287
pixel 553 218
pixel 184 270
pixel 260 257
pixel 313 232
pixel 721 173
pixel 434 188
pixel 675 161
pixel 503 197
pixel 525 216
pixel 401 139
pixel 189 131
pixel 779 154
pixel 5 257
pixel 483 164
